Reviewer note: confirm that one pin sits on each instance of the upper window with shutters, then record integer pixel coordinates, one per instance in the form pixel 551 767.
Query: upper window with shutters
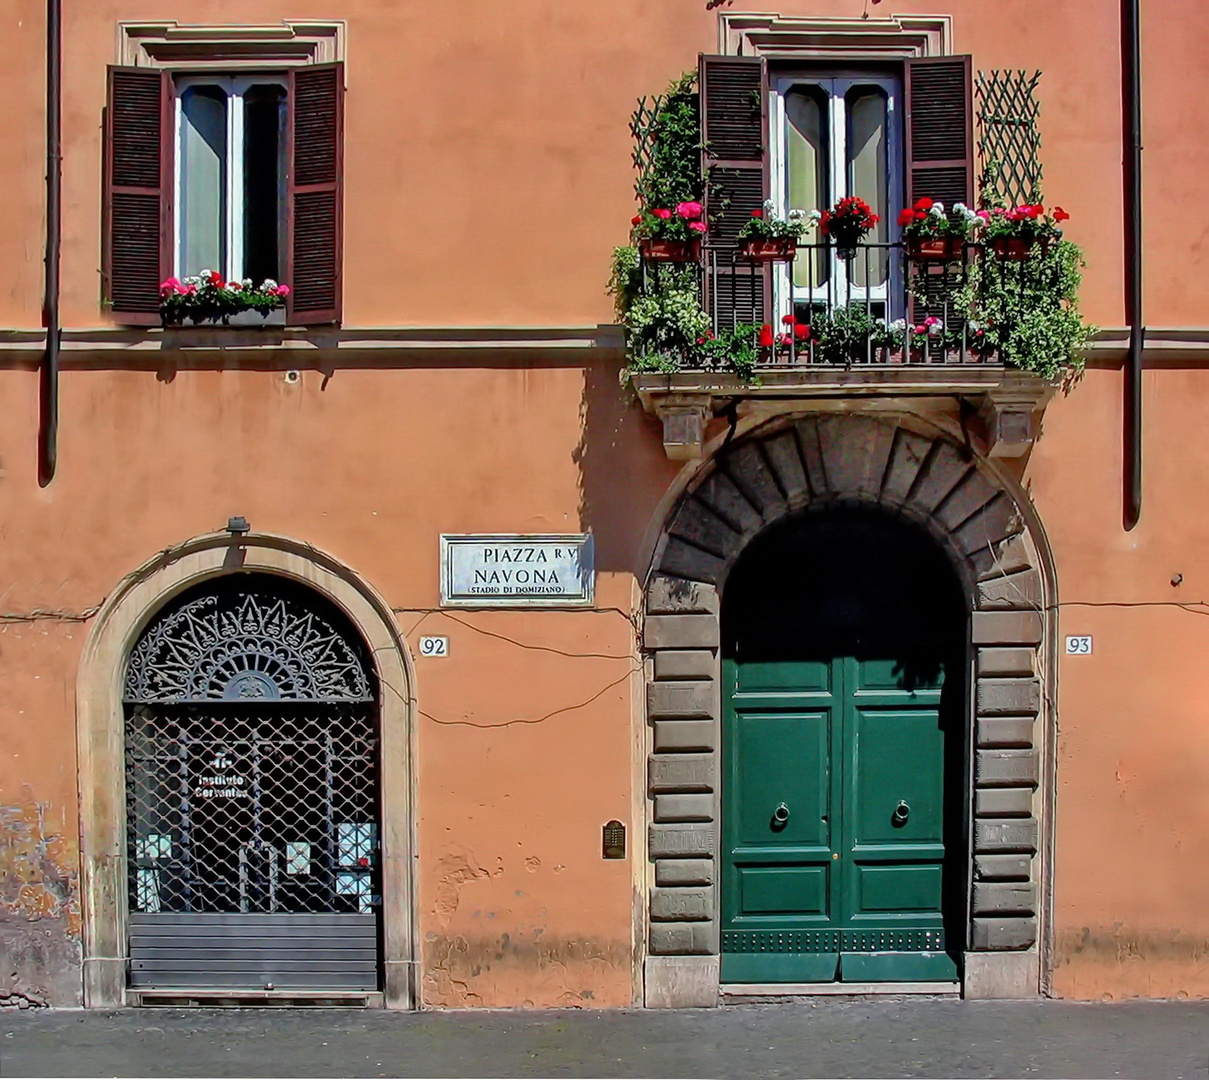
pixel 805 138
pixel 238 174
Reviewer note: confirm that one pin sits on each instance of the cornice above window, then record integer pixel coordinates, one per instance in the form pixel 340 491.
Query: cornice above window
pixel 291 43
pixel 899 37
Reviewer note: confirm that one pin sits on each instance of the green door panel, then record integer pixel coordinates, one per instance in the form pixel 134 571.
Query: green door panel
pixel 851 885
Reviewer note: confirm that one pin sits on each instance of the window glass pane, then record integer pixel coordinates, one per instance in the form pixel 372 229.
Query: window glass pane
pixel 868 173
pixel 809 186
pixel 264 182
pixel 203 179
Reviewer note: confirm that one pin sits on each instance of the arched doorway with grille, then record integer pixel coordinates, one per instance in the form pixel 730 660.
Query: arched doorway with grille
pixel 244 732
pixel 252 818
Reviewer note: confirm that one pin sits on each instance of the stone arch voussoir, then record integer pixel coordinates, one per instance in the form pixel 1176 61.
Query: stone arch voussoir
pixel 984 525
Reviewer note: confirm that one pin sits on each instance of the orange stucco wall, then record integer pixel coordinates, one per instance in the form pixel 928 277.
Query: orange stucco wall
pixel 477 132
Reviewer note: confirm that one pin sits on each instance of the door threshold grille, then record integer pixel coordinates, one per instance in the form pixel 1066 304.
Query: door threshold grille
pixel 254 999
pixel 733 993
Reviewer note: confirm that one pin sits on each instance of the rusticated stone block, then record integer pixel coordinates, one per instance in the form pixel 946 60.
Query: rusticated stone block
pixel 680 772
pixel 1005 628
pixel 996 521
pixel 680 807
pixel 682 904
pixel 943 470
pixel 1008 697
pixel 672 841
pixel 703 528
pixel 670 872
pixel 684 664
pixel 746 466
pixel 672 736
pixel 1007 662
pixel 990 934
pixel 1006 768
pixel 847 444
pixel 1006 731
pixel 687 561
pixel 812 454
pixel 1002 867
pixel 1021 591
pixel 721 495
pixel 970 496
pixel 786 462
pixel 680 982
pixel 676 596
pixel 906 457
pixel 881 440
pixel 1003 802
pixel 1001 898
pixel 684 938
pixel 1005 557
pixel 681 632
pixel 1010 834
pixel 681 700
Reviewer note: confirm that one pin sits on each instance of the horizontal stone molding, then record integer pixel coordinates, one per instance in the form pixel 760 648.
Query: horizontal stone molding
pixel 1002 867
pixel 680 632
pixel 1008 697
pixel 991 934
pixel 1005 628
pixel 1002 898
pixel 672 736
pixel 1006 768
pixel 1007 662
pixel 1005 732
pixel 290 43
pixel 684 807
pixel 1003 802
pixel 684 664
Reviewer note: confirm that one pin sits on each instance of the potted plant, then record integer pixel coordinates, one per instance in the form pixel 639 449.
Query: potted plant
pixel 932 235
pixel 206 297
pixel 1014 233
pixel 768 238
pixel 664 235
pixel 846 224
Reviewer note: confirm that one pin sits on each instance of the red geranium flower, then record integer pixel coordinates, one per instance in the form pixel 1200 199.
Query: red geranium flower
pixel 636 219
pixel 905 217
pixel 757 213
pixel 765 335
pixel 662 215
pixel 698 226
pixel 802 332
pixel 923 204
pixel 215 277
pixel 788 320
pixel 1060 214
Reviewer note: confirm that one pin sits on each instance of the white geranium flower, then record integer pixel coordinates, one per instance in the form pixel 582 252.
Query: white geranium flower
pixel 246 283
pixel 769 206
pixel 899 325
pixel 268 283
pixel 816 215
pixel 797 215
pixel 938 209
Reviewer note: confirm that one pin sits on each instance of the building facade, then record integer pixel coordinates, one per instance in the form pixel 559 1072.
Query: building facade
pixel 400 647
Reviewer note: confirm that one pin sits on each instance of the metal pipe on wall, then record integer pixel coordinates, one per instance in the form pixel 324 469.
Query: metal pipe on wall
pixel 1131 88
pixel 48 428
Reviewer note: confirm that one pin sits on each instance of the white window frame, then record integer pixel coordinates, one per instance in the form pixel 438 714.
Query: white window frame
pixel 837 289
pixel 234 86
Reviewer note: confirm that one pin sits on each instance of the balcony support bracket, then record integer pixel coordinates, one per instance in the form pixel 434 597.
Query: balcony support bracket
pixel 684 417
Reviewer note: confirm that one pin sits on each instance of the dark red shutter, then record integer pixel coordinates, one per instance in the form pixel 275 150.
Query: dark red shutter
pixel 137 211
pixel 940 130
pixel 316 193
pixel 734 162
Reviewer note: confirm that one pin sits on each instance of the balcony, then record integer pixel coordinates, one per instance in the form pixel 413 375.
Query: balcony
pixel 872 327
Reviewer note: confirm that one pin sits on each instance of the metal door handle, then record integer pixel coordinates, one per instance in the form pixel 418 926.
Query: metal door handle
pixel 900 815
pixel 780 815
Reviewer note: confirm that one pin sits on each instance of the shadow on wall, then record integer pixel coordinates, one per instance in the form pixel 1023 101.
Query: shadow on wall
pixel 623 469
pixel 39 911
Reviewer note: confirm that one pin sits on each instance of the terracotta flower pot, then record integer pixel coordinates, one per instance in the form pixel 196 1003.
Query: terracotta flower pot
pixel 1012 247
pixel 681 251
pixel 935 249
pixel 772 249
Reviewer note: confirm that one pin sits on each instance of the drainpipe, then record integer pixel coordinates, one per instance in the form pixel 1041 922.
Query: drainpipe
pixel 1131 86
pixel 48 430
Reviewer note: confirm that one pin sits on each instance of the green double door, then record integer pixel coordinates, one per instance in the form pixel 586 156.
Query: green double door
pixel 834 821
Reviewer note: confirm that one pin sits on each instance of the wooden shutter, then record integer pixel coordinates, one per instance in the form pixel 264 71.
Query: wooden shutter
pixel 940 130
pixel 137 208
pixel 734 162
pixel 315 149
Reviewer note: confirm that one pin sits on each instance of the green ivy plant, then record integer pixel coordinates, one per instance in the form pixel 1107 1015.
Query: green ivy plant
pixel 1028 311
pixel 673 173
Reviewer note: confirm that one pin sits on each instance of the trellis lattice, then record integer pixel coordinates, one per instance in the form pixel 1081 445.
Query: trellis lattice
pixel 1009 140
pixel 644 126
pixel 243 645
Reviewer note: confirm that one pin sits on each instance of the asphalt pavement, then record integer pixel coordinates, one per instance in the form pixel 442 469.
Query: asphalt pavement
pixel 884 1038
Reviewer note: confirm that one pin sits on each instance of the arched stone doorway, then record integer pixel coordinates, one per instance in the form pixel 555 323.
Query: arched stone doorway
pixel 996 550
pixel 357 662
pixel 252 821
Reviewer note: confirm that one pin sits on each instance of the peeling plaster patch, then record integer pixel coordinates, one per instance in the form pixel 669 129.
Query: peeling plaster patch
pixel 461 972
pixel 1108 963
pixel 39 911
pixel 454 870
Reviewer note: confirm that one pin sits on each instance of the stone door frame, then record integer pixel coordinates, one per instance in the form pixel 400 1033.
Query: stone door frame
pixel 100 737
pixel 986 524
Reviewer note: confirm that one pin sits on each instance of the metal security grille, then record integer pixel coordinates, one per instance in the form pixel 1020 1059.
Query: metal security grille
pixel 1009 141
pixel 264 808
pixel 252 795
